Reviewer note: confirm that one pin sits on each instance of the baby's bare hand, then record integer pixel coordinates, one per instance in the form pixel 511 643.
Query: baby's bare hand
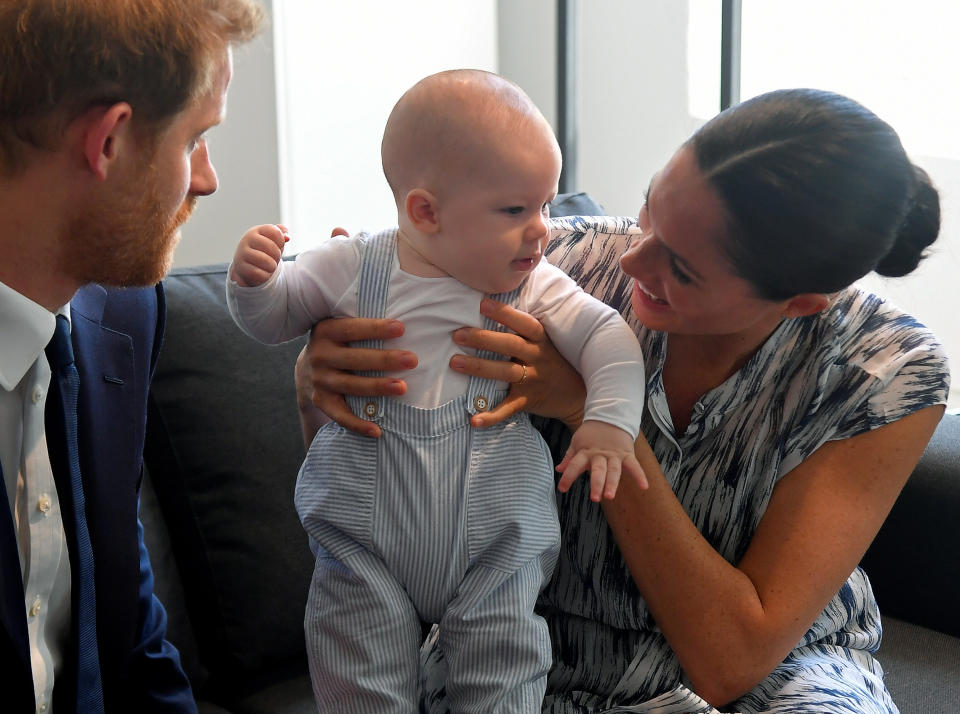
pixel 607 451
pixel 258 254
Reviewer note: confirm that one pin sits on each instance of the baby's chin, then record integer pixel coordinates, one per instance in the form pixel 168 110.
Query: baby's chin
pixel 506 286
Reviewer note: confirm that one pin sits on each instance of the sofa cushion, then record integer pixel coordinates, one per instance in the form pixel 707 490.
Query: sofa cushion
pixel 921 667
pixel 223 450
pixel 912 563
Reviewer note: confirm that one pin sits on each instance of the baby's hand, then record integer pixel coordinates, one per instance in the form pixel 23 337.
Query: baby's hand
pixel 258 255
pixel 607 451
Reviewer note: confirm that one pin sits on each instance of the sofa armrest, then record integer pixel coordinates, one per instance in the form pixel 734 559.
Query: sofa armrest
pixel 913 562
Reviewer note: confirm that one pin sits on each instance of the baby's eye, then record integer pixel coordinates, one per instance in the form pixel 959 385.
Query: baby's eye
pixel 513 210
pixel 643 220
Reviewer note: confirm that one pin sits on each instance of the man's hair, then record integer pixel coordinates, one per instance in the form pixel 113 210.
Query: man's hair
pixel 63 57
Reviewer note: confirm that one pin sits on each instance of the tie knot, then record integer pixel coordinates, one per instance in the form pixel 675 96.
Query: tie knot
pixel 60 350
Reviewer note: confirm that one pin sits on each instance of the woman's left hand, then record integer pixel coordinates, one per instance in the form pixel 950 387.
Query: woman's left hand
pixel 541 381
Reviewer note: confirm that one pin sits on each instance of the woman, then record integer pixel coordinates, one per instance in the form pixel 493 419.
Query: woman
pixel 786 409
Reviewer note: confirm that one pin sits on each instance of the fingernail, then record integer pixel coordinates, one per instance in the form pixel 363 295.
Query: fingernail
pixel 457 362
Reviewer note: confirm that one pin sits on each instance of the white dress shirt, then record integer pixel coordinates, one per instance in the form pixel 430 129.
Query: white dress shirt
pixel 26 328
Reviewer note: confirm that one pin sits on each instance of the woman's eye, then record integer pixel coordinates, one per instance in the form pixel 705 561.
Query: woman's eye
pixel 681 276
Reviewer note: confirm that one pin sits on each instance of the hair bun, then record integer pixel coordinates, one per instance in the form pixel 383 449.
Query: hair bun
pixel 919 229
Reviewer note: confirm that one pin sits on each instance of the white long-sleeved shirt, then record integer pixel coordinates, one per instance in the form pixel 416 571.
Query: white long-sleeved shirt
pixel 322 282
pixel 31 491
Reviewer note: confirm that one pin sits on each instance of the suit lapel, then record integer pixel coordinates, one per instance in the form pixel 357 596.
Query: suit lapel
pixel 109 459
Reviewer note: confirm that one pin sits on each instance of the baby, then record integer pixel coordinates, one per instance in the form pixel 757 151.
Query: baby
pixel 437 521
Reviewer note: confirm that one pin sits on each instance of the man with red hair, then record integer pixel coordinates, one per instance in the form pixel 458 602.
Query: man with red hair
pixel 103 111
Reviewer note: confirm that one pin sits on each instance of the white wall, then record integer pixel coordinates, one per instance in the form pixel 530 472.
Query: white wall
pixel 527 49
pixel 342 67
pixel 244 151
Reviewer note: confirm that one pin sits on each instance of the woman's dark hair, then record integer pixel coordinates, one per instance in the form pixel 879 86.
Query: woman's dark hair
pixel 818 192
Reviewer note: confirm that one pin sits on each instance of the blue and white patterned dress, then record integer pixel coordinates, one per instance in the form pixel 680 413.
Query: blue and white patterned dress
pixel 856 366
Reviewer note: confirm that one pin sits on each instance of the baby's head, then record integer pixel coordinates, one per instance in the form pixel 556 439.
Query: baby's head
pixel 472 164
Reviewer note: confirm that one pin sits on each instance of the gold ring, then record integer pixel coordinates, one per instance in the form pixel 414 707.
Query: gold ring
pixel 522 378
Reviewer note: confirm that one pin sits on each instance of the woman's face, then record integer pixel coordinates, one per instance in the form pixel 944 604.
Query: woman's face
pixel 683 282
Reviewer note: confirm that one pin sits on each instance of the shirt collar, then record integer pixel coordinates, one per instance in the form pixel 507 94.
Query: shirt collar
pixel 26 327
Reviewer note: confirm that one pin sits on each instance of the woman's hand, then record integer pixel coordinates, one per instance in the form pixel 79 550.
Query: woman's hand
pixel 324 371
pixel 542 381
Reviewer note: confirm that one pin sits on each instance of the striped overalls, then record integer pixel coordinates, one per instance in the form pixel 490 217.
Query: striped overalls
pixel 434 522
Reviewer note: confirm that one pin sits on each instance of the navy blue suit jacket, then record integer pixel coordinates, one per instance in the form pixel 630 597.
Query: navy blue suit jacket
pixel 116 337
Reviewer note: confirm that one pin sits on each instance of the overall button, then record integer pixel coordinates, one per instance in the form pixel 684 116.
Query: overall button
pixel 370 409
pixel 480 403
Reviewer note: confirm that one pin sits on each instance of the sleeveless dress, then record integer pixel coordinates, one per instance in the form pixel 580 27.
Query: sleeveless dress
pixel 856 366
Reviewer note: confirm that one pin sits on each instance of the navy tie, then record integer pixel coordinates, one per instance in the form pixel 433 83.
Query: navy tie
pixel 65 459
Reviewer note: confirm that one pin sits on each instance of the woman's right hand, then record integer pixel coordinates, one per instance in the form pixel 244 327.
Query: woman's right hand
pixel 541 381
pixel 325 370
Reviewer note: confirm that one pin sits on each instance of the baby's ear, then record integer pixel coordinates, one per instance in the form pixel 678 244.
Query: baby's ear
pixel 421 209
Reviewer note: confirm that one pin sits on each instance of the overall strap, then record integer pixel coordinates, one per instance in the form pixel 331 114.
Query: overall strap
pixel 376 262
pixel 483 393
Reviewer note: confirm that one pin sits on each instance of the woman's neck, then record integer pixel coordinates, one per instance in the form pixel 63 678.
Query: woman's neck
pixel 717 354
pixel 696 364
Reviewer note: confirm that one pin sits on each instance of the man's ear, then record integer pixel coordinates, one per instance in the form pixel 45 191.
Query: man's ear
pixel 422 211
pixel 806 304
pixel 105 132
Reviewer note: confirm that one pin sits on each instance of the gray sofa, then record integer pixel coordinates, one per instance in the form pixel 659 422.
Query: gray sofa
pixel 232 564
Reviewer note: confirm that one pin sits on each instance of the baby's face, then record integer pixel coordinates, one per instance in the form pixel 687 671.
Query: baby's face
pixel 494 226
